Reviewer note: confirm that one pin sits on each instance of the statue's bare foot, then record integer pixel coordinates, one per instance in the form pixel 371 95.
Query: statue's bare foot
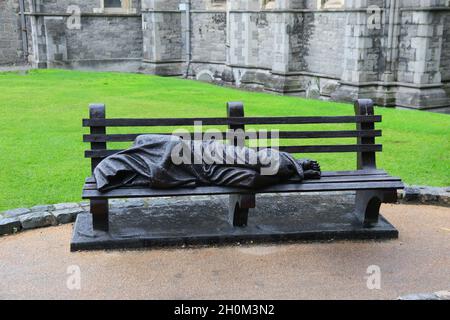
pixel 311 168
pixel 308 164
pixel 312 174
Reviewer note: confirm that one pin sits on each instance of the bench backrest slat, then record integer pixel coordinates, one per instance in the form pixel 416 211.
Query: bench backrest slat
pixel 290 149
pixel 160 122
pixel 282 135
pixel 364 120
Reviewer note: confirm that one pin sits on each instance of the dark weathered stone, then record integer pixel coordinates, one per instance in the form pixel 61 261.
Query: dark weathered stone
pixel 16 212
pixel 40 208
pixel 9 225
pixel 66 215
pixel 62 206
pixel 37 220
pixel 411 194
pixel 425 195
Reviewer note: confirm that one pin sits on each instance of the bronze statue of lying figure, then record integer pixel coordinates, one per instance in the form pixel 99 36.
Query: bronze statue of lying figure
pixel 165 161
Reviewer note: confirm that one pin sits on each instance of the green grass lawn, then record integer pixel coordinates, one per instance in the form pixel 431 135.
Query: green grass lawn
pixel 41 149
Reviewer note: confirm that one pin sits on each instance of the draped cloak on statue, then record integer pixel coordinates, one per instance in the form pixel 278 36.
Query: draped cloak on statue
pixel 149 162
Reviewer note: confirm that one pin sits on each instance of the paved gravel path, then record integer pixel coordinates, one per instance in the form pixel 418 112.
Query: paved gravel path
pixel 34 264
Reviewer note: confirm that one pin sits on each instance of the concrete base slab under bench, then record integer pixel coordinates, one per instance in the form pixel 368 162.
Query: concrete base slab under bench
pixel 186 221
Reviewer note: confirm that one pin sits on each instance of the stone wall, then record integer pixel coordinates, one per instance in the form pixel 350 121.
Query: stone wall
pixel 105 38
pixel 251 39
pixel 60 6
pixel 103 41
pixel 208 37
pixel 164 41
pixel 10 36
pixel 421 46
pixel 323 43
pixel 325 49
pixel 445 53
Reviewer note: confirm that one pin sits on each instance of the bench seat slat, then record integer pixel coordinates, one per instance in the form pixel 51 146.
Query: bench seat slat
pixel 341 179
pixel 282 135
pixel 122 122
pixel 332 148
pixel 291 149
pixel 324 174
pixel 214 190
pixel 362 172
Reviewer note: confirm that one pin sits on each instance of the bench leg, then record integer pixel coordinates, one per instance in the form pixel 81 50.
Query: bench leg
pixel 368 202
pixel 238 209
pixel 100 215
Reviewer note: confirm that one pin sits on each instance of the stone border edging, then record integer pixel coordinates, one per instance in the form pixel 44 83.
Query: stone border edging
pixel 425 195
pixel 13 221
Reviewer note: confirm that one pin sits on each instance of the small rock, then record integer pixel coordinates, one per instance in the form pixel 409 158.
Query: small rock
pixel 313 90
pixel 16 212
pixel 37 220
pixel 9 225
pixel 444 198
pixel 428 197
pixel 411 194
pixel 420 296
pixel 328 87
pixel 443 295
pixel 62 206
pixel 228 76
pixel 66 215
pixel 42 208
pixel 440 295
pixel 85 205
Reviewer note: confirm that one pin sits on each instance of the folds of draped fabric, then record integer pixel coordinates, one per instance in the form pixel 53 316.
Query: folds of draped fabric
pixel 150 162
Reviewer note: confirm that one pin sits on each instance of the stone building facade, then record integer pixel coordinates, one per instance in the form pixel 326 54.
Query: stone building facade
pixel 396 52
pixel 11 50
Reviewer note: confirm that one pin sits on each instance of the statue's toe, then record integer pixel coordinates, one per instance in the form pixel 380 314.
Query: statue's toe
pixel 312 174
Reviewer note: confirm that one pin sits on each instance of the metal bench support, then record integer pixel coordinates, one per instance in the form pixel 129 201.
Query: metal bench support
pixel 99 208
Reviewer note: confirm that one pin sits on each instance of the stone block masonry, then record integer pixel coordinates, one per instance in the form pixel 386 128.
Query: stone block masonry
pixel 11 51
pixel 445 55
pixel 85 35
pixel 105 38
pixel 394 52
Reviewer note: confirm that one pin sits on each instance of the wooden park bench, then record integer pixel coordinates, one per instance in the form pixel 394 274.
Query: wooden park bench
pixel 372 186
